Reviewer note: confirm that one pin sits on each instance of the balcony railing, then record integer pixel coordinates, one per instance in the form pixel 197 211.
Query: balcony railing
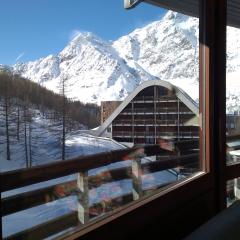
pixel 138 122
pixel 173 134
pixel 157 111
pixel 81 186
pixel 152 99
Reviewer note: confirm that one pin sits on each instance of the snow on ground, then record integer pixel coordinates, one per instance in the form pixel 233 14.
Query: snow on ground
pixel 233 92
pixel 190 86
pixel 84 144
pixel 46 143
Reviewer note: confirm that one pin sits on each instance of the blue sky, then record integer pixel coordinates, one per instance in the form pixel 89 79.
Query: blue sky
pixel 31 29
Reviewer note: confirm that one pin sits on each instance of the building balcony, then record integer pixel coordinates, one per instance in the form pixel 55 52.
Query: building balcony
pixel 137 122
pixel 152 111
pixel 168 134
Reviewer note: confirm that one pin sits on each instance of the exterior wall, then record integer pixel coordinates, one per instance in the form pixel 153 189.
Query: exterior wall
pixel 154 113
pixel 107 108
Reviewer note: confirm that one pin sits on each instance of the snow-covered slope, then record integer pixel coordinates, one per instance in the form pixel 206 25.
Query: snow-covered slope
pixel 98 70
pixel 44 141
pixel 233 70
pixel 167 48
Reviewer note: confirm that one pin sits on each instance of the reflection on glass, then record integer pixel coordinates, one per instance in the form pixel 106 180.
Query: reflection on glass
pixel 233 190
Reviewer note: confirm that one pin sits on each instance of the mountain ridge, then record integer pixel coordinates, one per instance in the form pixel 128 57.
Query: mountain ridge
pixel 98 70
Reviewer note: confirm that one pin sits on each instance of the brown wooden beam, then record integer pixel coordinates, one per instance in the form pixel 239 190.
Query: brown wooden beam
pixel 41 196
pixel 213 93
pixel 34 198
pixel 48 228
pixel 233 171
pixel 66 221
pixel 170 163
pixel 23 177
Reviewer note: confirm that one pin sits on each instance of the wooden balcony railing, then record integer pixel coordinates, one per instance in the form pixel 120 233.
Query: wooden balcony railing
pixel 83 183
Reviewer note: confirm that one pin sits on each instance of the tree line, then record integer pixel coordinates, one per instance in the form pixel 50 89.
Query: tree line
pixel 18 96
pixel 21 88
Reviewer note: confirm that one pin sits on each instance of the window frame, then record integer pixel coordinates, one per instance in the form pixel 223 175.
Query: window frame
pixel 212 57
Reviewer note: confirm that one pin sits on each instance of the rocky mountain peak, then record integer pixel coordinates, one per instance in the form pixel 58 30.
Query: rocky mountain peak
pixel 99 70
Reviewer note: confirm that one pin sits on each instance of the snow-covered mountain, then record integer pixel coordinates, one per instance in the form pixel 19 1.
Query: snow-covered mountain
pixel 167 49
pixel 93 70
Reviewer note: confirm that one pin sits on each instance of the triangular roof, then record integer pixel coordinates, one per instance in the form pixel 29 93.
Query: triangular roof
pixel 184 97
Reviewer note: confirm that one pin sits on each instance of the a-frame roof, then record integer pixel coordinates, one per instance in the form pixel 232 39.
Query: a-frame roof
pixel 185 98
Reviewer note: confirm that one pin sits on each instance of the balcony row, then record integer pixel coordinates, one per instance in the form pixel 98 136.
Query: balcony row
pixel 153 99
pixel 124 134
pixel 148 123
pixel 158 109
pixel 152 112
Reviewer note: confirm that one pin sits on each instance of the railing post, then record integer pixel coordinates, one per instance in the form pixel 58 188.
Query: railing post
pixel 83 197
pixel 137 178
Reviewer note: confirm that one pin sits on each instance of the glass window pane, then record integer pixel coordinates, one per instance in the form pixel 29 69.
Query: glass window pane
pixel 98 121
pixel 232 89
pixel 233 191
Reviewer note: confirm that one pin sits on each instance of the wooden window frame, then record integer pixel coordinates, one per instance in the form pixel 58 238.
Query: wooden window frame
pixel 213 76
pixel 209 186
pixel 212 183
